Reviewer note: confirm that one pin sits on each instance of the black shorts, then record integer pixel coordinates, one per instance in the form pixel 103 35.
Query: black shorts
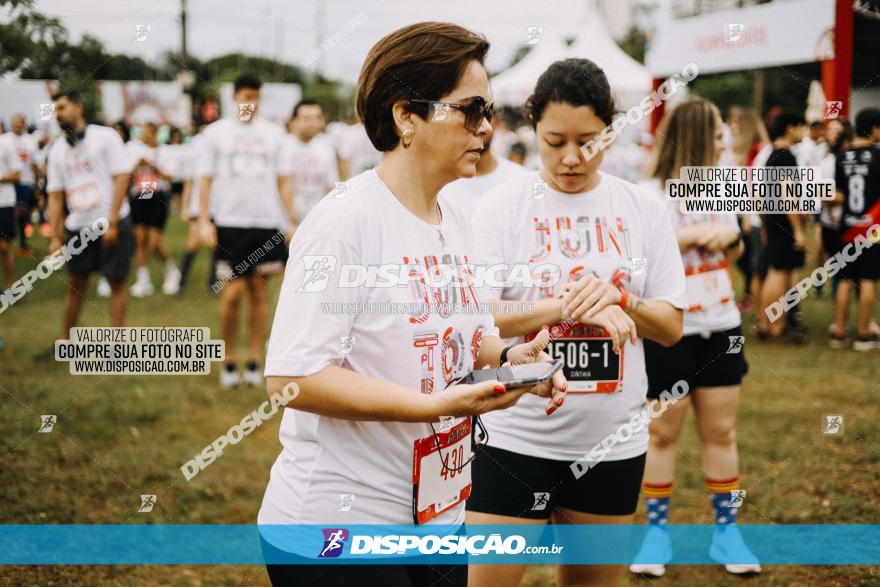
pixel 831 241
pixel 7 223
pixel 865 267
pixel 111 263
pixel 757 253
pixel 702 362
pixel 506 483
pixel 781 254
pixel 245 251
pixel 24 196
pixel 152 212
pixel 327 575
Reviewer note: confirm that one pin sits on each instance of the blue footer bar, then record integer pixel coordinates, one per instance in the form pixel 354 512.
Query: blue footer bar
pixel 171 544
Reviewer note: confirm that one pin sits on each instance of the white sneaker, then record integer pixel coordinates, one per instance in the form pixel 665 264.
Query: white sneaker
pixel 229 379
pixel 729 549
pixel 141 289
pixel 172 281
pixel 104 288
pixel 655 552
pixel 252 377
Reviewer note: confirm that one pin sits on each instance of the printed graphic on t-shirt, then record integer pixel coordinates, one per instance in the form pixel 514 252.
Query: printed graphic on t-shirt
pixel 576 240
pixel 250 156
pixel 433 293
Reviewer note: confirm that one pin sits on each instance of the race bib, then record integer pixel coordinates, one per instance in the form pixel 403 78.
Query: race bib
pixel 589 362
pixel 708 286
pixel 437 488
pixel 83 198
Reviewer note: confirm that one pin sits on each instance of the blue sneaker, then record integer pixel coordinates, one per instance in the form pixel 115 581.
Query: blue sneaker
pixel 655 552
pixel 729 549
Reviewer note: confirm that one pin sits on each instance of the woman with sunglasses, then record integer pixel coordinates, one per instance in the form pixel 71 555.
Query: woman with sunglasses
pixel 710 356
pixel 378 432
pixel 606 273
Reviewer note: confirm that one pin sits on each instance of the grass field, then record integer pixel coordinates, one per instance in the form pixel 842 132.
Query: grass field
pixel 119 437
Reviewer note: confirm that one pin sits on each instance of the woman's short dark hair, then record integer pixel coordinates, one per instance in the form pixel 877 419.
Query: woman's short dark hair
pixel 866 121
pixel 424 61
pixel 785 119
pixel 575 81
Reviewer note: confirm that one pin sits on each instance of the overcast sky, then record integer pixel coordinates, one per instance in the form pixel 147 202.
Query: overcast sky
pixel 286 28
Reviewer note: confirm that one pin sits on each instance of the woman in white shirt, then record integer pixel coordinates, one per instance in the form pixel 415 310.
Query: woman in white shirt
pixel 374 435
pixel 606 272
pixel 710 356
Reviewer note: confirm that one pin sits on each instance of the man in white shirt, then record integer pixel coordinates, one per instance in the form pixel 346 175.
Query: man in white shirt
pixel 26 148
pixel 311 157
pixel 10 173
pixel 89 169
pixel 240 165
pixel 492 171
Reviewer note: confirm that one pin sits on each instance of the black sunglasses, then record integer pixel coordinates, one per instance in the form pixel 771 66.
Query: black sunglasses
pixel 474 111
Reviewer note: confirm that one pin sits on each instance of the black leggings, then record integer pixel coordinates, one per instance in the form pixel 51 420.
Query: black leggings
pixel 363 575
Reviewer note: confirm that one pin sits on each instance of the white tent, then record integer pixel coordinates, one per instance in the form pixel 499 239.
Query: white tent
pixel 629 79
pixel 513 86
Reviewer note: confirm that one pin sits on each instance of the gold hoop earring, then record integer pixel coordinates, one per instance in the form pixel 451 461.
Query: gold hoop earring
pixel 407 138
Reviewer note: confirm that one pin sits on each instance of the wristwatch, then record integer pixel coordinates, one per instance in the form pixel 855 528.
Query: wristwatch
pixel 503 358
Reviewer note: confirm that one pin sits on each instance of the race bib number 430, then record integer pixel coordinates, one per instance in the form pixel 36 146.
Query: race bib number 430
pixel 441 480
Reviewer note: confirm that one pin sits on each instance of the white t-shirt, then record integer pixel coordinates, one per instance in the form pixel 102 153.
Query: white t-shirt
pixel 244 160
pixel 358 150
pixel 314 170
pixel 324 457
pixel 26 146
pixel 711 297
pixel 149 172
pixel 85 173
pixel 175 161
pixel 466 192
pixel 9 162
pixel 600 231
pixel 192 174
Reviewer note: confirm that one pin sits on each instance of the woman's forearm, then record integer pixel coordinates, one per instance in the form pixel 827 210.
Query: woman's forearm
pixel 342 393
pixel 490 352
pixel 656 320
pixel 527 317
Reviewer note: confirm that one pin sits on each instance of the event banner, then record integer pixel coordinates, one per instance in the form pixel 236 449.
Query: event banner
pixel 212 544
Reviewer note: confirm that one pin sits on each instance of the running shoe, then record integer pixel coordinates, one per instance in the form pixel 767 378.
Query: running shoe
pixel 171 285
pixel 655 552
pixel 229 377
pixel 837 341
pixel 141 289
pixel 252 377
pixel 104 288
pixel 864 343
pixel 729 549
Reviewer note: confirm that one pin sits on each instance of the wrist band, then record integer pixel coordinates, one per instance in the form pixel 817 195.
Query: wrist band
pixel 503 358
pixel 624 298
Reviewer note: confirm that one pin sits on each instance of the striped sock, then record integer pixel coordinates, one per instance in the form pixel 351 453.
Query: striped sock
pixel 719 492
pixel 657 502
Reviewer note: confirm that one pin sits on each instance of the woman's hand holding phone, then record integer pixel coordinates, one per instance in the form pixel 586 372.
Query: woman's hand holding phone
pixel 533 352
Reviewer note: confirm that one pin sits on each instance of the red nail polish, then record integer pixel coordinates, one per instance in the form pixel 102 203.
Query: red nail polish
pixel 499 389
pixel 559 401
pixel 551 409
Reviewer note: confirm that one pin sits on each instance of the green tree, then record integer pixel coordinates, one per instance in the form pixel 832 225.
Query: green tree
pixel 25 34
